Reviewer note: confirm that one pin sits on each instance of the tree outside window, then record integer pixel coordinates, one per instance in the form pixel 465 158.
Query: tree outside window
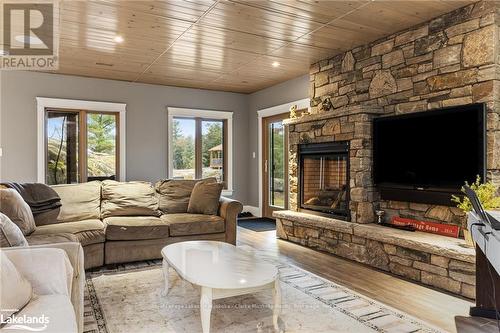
pixel 80 146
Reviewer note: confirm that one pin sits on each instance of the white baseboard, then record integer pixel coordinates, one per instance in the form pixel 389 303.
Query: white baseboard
pixel 252 209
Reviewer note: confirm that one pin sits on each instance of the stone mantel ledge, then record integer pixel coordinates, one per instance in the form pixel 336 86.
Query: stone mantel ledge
pixel 453 248
pixel 448 247
pixel 349 110
pixel 316 221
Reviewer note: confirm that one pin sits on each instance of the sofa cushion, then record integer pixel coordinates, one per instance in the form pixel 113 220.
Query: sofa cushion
pixel 205 198
pixel 135 228
pixel 79 202
pixel 174 194
pixel 15 289
pixel 87 231
pixel 51 238
pixel 14 206
pixel 185 224
pixel 128 199
pixel 10 234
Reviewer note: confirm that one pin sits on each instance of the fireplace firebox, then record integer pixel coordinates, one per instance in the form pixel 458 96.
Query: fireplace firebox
pixel 324 178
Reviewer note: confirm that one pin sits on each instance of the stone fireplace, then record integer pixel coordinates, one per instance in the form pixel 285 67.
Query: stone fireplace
pixel 450 60
pixel 324 178
pixel 347 135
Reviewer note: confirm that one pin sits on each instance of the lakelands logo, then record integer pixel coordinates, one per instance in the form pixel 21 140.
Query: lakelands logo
pixel 25 323
pixel 30 35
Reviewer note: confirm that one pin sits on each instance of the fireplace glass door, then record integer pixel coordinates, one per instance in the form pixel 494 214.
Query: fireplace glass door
pixel 324 183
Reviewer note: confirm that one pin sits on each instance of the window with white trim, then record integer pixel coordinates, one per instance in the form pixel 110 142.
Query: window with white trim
pixel 79 141
pixel 200 144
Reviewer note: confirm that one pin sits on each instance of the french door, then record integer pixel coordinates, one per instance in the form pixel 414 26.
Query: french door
pixel 275 164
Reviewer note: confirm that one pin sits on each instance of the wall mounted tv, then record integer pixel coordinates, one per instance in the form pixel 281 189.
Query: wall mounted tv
pixel 425 157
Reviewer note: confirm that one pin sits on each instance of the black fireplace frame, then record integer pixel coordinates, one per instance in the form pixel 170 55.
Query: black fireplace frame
pixel 322 149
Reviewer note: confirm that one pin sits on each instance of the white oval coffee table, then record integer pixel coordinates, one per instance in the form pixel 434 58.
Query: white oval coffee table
pixel 221 270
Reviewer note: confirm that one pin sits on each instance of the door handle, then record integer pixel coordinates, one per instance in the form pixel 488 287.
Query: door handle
pixel 265 166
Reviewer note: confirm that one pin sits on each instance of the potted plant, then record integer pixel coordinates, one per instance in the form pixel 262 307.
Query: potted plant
pixel 488 196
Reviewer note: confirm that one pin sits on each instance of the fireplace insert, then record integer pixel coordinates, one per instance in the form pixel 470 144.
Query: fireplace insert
pixel 324 178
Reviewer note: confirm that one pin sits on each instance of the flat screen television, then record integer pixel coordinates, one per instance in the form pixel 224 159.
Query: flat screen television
pixel 427 156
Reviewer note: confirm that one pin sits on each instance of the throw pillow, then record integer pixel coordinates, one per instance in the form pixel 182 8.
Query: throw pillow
pixel 15 290
pixel 13 205
pixel 205 198
pixel 174 194
pixel 10 234
pixel 128 199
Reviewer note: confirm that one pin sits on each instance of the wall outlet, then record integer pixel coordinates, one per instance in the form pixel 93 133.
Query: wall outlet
pixel 253 154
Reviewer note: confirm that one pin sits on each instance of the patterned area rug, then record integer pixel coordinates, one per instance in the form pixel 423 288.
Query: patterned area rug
pixel 128 298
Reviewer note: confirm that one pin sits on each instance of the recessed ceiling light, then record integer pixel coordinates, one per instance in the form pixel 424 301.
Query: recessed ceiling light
pixel 29 39
pixel 276 64
pixel 119 39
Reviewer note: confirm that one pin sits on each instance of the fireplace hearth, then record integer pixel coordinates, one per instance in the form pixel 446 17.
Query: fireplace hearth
pixel 324 178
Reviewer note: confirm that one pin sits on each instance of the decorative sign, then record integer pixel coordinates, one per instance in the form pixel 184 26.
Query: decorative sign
pixel 430 227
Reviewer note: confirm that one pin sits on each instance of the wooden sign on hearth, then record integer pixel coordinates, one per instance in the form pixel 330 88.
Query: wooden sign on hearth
pixel 430 227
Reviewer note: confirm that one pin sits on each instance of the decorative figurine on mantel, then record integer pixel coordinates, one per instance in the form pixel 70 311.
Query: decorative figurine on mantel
pixel 293 111
pixel 326 105
pixel 380 216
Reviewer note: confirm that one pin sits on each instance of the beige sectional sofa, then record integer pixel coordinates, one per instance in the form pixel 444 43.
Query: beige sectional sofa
pixel 122 222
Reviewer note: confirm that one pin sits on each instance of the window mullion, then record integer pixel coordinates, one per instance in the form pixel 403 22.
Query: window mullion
pixel 83 147
pixel 198 160
pixel 224 154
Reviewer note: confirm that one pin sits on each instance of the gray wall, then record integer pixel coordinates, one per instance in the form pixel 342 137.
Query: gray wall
pixel 146 121
pixel 282 93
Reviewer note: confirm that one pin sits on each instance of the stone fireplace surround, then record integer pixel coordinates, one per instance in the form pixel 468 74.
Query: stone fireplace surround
pixel 450 60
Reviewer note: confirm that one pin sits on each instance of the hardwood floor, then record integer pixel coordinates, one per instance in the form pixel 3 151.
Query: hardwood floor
pixel 445 311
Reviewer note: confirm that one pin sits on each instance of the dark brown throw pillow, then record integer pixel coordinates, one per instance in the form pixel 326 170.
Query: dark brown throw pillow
pixel 205 198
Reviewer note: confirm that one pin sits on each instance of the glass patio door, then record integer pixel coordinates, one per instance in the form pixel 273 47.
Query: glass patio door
pixel 275 164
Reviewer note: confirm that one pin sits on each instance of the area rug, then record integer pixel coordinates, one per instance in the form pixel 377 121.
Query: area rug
pixel 257 224
pixel 128 299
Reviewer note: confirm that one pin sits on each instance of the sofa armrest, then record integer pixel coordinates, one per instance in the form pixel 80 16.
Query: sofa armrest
pixel 229 210
pixel 74 254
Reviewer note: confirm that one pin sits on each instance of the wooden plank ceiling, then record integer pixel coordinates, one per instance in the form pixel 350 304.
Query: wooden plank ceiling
pixel 225 45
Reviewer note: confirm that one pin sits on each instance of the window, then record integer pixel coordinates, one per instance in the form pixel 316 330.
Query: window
pixel 199 145
pixel 80 146
pixel 76 145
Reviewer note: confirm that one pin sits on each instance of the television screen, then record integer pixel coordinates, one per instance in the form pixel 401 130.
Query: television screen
pixel 435 150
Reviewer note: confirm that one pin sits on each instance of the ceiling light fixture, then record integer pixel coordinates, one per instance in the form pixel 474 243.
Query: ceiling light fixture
pixel 276 64
pixel 119 39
